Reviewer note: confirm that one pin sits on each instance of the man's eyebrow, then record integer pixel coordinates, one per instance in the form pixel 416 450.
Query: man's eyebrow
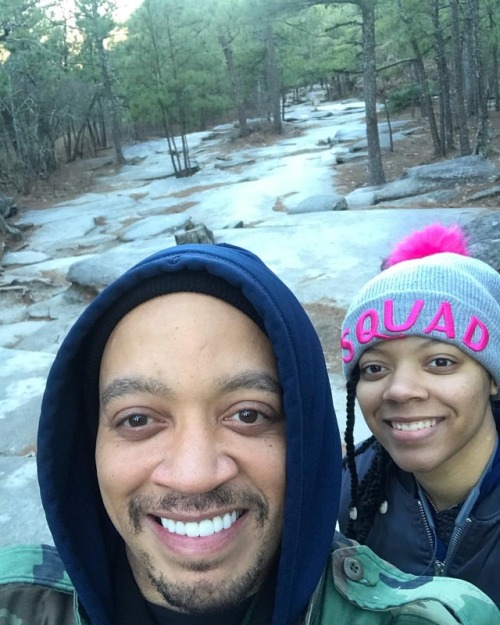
pixel 256 380
pixel 120 387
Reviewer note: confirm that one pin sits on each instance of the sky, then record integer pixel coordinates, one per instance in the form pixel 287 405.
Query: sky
pixel 125 8
pixel 123 11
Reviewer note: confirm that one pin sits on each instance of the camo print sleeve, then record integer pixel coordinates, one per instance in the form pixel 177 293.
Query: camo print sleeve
pixel 372 584
pixel 34 588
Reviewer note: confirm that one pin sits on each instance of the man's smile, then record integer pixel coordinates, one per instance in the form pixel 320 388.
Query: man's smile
pixel 205 527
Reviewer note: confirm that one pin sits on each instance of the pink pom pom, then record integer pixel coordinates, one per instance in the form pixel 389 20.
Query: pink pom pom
pixel 433 239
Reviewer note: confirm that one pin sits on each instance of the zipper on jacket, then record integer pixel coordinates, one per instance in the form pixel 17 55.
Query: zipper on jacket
pixel 454 542
pixel 313 611
pixel 462 522
pixel 437 565
pixel 315 600
pixel 441 568
pixel 438 568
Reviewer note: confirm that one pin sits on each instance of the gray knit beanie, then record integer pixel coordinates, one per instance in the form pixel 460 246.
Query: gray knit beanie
pixel 446 296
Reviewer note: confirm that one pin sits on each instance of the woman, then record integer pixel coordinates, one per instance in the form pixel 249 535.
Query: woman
pixel 421 354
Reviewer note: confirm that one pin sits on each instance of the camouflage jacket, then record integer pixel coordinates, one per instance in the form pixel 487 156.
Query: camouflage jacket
pixel 356 587
pixel 359 587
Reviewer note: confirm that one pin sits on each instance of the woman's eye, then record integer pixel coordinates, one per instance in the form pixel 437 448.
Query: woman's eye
pixel 441 361
pixel 368 370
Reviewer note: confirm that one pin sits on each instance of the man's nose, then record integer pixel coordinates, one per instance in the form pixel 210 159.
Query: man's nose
pixel 403 384
pixel 194 461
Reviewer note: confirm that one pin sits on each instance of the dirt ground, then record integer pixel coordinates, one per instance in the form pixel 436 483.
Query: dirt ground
pixel 327 319
pixel 417 149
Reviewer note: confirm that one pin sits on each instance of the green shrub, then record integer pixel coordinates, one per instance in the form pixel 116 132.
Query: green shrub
pixel 400 99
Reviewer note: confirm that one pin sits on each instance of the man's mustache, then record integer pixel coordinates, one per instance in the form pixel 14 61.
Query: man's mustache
pixel 220 497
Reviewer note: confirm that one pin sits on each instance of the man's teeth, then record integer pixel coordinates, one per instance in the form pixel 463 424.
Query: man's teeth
pixel 414 425
pixel 207 527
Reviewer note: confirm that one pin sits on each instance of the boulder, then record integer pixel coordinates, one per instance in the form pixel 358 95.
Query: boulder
pixel 197 234
pixel 320 203
pixel 484 238
pixel 461 169
pixel 153 226
pixel 7 206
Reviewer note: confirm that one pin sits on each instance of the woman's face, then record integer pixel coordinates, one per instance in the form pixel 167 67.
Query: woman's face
pixel 428 403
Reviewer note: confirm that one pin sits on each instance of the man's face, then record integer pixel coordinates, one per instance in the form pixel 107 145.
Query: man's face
pixel 190 450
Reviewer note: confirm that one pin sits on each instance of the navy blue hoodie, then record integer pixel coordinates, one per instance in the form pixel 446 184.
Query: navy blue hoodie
pixel 85 538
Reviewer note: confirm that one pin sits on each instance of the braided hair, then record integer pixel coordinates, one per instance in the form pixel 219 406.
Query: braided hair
pixel 368 496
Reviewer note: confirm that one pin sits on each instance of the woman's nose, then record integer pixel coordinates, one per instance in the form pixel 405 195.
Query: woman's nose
pixel 403 384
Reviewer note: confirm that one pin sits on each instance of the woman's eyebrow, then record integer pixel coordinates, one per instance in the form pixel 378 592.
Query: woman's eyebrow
pixel 120 387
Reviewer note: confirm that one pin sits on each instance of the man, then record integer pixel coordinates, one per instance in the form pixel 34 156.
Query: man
pixel 189 466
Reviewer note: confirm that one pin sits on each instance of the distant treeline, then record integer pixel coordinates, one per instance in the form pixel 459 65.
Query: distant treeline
pixel 74 81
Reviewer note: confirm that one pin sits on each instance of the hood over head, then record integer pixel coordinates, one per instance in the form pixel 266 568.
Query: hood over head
pixel 82 532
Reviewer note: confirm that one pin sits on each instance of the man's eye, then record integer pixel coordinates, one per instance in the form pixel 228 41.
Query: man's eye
pixel 135 421
pixel 250 417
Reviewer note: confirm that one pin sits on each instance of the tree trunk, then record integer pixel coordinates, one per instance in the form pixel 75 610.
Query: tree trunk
pixel 458 80
pixel 422 78
pixel 483 134
pixel 495 84
pixel 100 129
pixel 426 95
pixel 113 104
pixel 92 14
pixel 93 141
pixel 468 60
pixel 273 81
pixel 78 143
pixel 67 138
pixel 235 85
pixel 446 121
pixel 375 167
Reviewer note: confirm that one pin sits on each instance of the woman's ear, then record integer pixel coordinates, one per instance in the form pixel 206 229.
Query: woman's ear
pixel 494 389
